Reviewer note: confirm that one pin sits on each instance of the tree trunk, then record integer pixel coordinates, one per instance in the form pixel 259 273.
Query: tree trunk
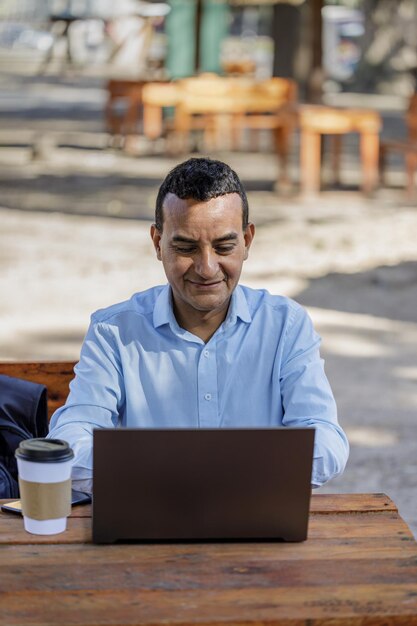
pixel 286 36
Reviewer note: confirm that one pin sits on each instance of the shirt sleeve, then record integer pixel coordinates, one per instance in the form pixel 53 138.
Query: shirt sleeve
pixel 308 399
pixel 95 400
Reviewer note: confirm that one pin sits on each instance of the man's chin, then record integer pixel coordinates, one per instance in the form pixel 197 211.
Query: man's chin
pixel 208 302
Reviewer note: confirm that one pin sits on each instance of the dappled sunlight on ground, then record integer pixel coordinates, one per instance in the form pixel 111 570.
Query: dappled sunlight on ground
pixel 371 437
pixel 351 346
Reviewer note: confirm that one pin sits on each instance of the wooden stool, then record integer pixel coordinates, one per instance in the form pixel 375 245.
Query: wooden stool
pixel 316 121
pixel 129 91
pixel 408 147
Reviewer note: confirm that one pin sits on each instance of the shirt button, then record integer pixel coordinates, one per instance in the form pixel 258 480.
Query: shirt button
pixel 207 396
pixel 206 353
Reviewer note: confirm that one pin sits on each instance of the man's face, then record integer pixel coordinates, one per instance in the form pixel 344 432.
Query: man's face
pixel 202 248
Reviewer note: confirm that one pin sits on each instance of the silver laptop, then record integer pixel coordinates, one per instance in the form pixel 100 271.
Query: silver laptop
pixel 201 484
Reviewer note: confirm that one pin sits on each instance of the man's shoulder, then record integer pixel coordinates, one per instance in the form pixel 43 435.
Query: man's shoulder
pixel 259 299
pixel 139 304
pixel 278 314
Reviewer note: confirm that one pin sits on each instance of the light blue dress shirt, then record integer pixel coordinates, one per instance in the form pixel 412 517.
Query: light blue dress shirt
pixel 261 368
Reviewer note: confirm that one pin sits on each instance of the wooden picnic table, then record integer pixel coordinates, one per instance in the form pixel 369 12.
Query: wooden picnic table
pixel 358 567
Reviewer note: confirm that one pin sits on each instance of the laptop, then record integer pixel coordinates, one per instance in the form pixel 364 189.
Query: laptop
pixel 201 484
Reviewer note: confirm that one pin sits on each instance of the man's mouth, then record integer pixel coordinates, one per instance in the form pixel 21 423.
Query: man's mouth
pixel 206 285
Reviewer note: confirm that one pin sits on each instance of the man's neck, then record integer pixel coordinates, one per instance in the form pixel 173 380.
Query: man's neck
pixel 203 324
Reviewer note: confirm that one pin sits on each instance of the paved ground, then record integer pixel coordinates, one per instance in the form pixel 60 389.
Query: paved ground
pixel 74 237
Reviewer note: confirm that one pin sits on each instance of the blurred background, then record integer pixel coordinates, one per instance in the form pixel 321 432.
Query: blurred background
pixel 93 98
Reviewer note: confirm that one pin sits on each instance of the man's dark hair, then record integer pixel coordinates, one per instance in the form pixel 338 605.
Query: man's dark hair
pixel 201 179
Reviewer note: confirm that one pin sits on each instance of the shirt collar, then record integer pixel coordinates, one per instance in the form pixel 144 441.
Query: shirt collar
pixel 163 311
pixel 238 308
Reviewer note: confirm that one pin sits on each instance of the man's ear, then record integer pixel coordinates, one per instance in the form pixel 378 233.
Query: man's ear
pixel 156 239
pixel 248 235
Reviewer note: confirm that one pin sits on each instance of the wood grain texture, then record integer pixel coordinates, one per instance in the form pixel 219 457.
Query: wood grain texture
pixel 358 568
pixel 355 503
pixel 150 555
pixel 12 532
pixel 55 375
pixel 145 568
pixel 347 605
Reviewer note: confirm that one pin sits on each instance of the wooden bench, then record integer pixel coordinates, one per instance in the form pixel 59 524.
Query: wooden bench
pixel 56 376
pixel 222 107
pixel 247 102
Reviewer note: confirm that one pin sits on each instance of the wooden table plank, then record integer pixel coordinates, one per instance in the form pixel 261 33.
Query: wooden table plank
pixel 319 503
pixel 329 526
pixel 12 532
pixel 322 503
pixel 354 503
pixel 364 525
pixel 196 570
pixel 240 553
pixel 331 517
pixel 348 605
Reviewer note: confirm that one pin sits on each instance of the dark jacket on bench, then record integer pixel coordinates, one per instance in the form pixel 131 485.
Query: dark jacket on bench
pixel 23 415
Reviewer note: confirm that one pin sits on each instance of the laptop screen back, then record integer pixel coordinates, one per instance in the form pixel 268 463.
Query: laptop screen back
pixel 202 484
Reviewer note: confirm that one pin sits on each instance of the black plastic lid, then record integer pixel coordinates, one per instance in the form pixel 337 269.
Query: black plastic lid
pixel 44 450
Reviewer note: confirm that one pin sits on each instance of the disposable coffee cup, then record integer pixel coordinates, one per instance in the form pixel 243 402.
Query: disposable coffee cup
pixel 44 469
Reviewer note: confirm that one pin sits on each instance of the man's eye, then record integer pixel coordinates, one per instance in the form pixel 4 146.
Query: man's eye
pixel 224 249
pixel 184 250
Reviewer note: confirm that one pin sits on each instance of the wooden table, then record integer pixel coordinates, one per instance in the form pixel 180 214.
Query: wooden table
pixel 315 121
pixel 359 566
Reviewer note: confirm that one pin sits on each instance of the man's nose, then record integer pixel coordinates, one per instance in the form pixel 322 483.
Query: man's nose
pixel 206 264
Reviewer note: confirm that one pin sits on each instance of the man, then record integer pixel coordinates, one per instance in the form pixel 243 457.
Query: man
pixel 201 351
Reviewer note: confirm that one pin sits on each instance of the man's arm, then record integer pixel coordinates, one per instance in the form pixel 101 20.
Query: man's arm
pixel 95 398
pixel 308 399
